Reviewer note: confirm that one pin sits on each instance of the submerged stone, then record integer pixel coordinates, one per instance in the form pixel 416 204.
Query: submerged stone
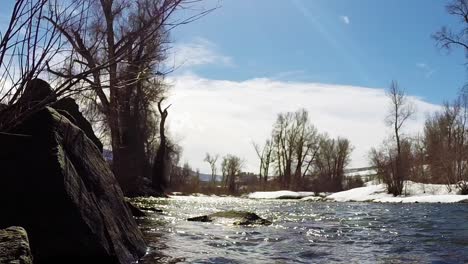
pixel 235 217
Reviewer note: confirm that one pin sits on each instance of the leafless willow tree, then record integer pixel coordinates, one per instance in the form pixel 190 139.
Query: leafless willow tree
pixel 122 44
pixel 295 145
pixel 332 158
pixel 212 159
pixel 393 159
pixel 231 167
pixel 265 155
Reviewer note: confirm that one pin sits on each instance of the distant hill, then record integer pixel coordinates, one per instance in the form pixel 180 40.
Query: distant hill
pixel 207 177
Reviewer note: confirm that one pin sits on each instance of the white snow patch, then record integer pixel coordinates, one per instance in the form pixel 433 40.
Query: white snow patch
pixel 413 192
pixel 360 194
pixel 279 195
pixel 376 192
pixel 313 198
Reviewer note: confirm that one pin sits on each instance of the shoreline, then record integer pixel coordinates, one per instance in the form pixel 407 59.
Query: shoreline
pixel 375 193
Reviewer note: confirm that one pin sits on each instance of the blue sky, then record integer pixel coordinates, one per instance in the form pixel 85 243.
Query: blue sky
pixel 363 43
pixel 248 60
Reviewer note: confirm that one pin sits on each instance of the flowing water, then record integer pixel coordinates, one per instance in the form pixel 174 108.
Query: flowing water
pixel 306 232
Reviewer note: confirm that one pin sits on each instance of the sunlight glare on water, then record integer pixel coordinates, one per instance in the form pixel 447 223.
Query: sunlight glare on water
pixel 305 232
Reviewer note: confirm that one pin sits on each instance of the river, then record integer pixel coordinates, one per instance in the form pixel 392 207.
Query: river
pixel 306 232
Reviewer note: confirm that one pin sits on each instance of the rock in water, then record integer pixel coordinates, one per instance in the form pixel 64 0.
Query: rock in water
pixel 135 210
pixel 14 246
pixel 234 217
pixel 55 183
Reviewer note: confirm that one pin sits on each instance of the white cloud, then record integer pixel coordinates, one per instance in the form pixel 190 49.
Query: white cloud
pixel 345 19
pixel 198 52
pixel 220 116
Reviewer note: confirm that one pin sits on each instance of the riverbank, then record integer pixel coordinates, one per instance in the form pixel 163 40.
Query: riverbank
pixel 374 192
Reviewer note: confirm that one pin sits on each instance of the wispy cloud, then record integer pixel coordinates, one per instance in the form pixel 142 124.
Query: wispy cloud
pixel 428 70
pixel 220 116
pixel 345 19
pixel 198 52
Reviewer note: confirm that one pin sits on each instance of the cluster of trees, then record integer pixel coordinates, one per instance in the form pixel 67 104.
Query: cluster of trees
pixel 231 171
pixel 231 167
pixel 302 158
pixel 296 156
pixel 438 155
pixel 446 145
pixel 109 54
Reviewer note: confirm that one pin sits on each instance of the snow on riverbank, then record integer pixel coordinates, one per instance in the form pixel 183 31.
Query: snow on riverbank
pixel 279 195
pixel 413 192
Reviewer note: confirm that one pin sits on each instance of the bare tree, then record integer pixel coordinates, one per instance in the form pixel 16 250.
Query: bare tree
pixel 400 111
pixel 447 38
pixel 265 154
pixel 212 161
pixel 295 145
pixel 231 167
pixel 331 160
pixel 162 158
pixel 121 45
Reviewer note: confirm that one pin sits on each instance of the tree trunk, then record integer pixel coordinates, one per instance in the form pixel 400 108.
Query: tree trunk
pixel 161 160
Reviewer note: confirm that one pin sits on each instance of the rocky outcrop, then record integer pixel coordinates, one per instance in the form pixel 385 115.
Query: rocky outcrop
pixel 36 91
pixel 232 217
pixel 135 210
pixel 70 109
pixel 55 183
pixel 14 246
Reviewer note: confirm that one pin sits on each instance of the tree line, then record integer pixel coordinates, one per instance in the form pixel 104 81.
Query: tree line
pixel 296 156
pixel 302 158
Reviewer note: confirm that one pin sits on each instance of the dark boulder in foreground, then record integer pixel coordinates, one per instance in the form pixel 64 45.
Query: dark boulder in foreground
pixel 55 183
pixel 14 246
pixel 69 108
pixel 233 217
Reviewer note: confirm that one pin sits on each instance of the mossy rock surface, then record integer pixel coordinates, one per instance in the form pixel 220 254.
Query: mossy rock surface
pixel 234 217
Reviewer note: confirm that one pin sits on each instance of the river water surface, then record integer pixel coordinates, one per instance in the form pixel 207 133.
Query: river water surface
pixel 306 232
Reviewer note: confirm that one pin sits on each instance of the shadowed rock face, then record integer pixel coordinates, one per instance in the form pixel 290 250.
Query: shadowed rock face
pixel 70 109
pixel 14 246
pixel 233 217
pixel 55 183
pixel 36 91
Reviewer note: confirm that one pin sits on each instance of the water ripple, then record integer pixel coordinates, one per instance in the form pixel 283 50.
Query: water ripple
pixel 305 232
